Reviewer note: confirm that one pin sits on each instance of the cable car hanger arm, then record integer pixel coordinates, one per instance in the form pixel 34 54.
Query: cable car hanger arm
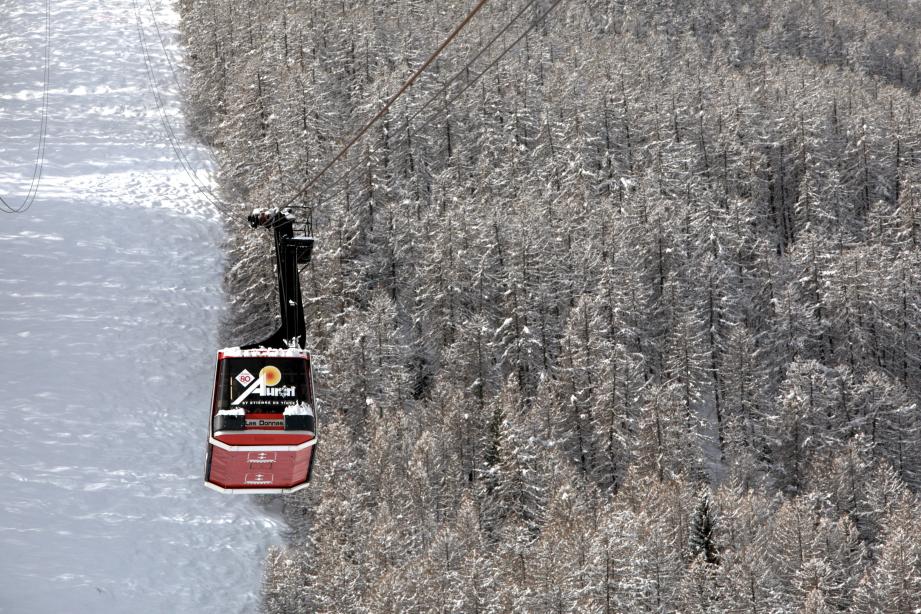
pixel 290 251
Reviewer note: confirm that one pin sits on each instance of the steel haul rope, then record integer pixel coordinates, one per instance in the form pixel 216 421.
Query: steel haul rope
pixel 39 166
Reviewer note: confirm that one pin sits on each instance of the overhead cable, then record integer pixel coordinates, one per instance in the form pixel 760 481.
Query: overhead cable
pixel 389 102
pixel 171 135
pixel 345 176
pixel 38 167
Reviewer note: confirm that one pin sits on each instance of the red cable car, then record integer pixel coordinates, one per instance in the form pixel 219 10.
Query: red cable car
pixel 263 432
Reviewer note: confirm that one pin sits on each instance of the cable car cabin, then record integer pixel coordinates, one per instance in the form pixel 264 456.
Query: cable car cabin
pixel 263 432
pixel 262 421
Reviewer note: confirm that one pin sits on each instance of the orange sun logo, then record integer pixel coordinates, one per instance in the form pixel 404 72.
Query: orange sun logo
pixel 270 375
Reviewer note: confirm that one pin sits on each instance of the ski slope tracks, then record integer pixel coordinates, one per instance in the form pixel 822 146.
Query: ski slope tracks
pixel 109 306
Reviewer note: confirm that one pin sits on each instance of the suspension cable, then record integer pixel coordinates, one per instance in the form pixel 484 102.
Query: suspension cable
pixel 389 102
pixel 169 61
pixel 476 57
pixel 345 175
pixel 171 136
pixel 495 61
pixel 38 168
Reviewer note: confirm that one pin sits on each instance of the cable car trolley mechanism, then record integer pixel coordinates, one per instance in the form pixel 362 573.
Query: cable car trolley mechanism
pixel 263 412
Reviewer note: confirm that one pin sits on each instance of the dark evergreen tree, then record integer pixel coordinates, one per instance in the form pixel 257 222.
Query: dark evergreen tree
pixel 702 541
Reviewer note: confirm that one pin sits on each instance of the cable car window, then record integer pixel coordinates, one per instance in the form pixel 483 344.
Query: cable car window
pixel 264 385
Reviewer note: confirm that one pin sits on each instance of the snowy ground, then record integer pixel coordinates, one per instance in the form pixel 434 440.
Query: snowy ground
pixel 109 304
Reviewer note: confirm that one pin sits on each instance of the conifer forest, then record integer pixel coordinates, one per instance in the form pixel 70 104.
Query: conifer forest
pixel 624 319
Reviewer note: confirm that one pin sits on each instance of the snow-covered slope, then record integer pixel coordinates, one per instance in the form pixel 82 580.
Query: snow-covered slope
pixel 109 303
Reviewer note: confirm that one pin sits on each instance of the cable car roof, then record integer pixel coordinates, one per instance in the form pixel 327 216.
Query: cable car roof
pixel 262 353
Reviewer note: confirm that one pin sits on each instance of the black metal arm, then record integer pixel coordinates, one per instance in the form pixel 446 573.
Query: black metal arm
pixel 289 252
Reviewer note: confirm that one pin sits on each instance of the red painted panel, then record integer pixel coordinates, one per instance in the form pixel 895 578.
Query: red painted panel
pixel 245 469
